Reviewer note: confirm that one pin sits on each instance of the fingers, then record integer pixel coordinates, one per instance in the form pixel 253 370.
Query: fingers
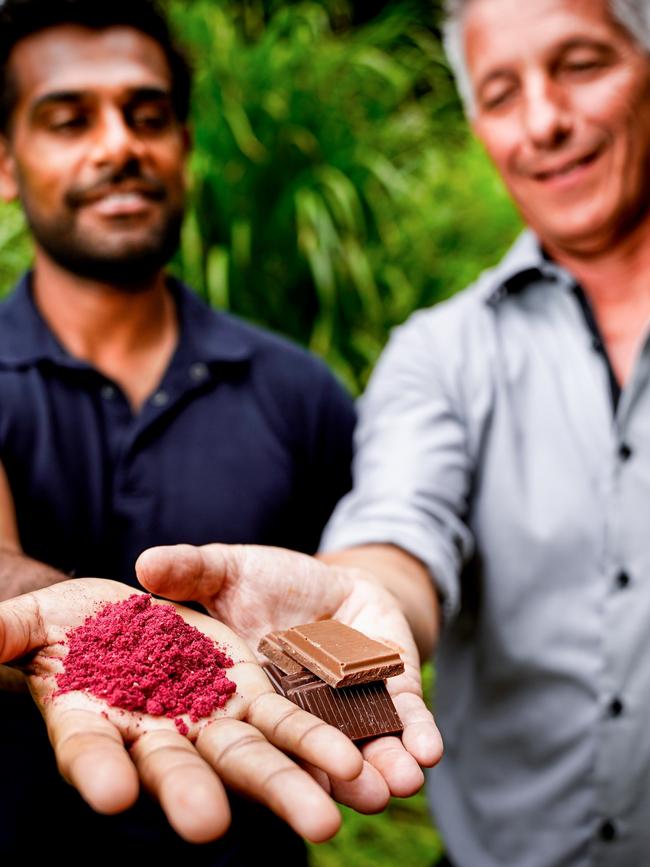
pixel 190 794
pixel 368 793
pixel 22 629
pixel 183 572
pixel 297 732
pixel 247 763
pixel 421 736
pixel 246 585
pixel 398 768
pixel 91 756
pixel 398 760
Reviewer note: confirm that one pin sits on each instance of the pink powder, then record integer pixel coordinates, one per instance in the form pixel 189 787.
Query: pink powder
pixel 144 657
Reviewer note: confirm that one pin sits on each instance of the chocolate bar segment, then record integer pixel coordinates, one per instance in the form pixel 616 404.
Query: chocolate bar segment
pixel 272 649
pixel 340 655
pixel 360 712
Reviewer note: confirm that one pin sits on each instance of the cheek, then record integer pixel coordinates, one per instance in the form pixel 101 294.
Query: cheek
pixel 501 142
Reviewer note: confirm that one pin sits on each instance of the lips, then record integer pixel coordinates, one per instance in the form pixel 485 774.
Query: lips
pixel 127 194
pixel 564 169
pixel 120 204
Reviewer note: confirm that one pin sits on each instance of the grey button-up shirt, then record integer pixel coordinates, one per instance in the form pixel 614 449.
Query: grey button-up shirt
pixel 488 447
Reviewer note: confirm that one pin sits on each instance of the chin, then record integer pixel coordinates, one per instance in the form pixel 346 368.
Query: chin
pixel 581 239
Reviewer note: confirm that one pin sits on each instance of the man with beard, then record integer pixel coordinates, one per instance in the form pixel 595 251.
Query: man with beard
pixel 132 415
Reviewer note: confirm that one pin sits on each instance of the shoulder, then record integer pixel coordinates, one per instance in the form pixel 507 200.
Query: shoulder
pixel 457 342
pixel 277 358
pixel 295 389
pixel 446 340
pixel 285 375
pixel 217 336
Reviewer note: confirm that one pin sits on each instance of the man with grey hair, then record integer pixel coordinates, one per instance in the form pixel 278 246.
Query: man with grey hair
pixel 502 472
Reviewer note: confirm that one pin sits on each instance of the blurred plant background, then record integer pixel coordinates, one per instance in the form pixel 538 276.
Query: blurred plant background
pixel 335 188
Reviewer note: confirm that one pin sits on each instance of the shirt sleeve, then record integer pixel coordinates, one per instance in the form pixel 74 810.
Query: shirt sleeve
pixel 411 469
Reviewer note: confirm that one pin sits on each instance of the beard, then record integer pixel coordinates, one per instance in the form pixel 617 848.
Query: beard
pixel 129 259
pixel 126 253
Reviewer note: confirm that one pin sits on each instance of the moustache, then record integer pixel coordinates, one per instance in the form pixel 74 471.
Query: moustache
pixel 129 179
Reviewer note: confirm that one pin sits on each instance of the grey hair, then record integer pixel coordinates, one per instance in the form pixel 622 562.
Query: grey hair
pixel 632 15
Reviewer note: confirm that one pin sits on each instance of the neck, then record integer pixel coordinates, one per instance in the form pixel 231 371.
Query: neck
pixel 613 272
pixel 128 334
pixel 617 283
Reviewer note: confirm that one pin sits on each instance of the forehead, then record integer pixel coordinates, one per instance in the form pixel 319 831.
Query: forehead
pixel 506 32
pixel 69 58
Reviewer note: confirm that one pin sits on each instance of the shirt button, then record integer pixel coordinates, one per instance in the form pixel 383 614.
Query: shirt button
pixel 622 580
pixel 624 452
pixel 160 398
pixel 608 831
pixel 107 392
pixel 198 371
pixel 616 708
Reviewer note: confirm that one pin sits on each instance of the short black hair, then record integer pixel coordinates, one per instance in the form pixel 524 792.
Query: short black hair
pixel 22 18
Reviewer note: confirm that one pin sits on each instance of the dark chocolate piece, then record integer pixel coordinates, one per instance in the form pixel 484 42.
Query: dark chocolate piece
pixel 340 655
pixel 272 649
pixel 360 712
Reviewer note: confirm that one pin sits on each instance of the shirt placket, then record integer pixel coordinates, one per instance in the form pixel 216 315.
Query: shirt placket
pixel 623 747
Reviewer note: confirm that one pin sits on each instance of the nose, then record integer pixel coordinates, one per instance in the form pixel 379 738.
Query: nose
pixel 546 113
pixel 115 143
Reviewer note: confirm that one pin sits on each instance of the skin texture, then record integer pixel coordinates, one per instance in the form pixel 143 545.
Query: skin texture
pixel 241 746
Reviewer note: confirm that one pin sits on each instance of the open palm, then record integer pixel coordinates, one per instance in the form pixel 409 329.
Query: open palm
pixel 105 752
pixel 257 589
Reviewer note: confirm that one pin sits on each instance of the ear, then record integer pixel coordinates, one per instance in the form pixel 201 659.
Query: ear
pixel 8 184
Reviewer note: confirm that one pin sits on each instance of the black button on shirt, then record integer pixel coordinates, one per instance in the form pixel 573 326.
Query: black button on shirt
pixel 624 452
pixel 608 831
pixel 622 580
pixel 616 708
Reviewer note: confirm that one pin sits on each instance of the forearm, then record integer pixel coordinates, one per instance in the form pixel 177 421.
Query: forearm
pixel 20 574
pixel 406 579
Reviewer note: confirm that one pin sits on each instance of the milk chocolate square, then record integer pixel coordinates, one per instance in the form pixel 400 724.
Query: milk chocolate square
pixel 338 654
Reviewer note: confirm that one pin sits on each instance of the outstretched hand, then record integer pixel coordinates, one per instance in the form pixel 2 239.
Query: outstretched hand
pixel 256 590
pixel 106 752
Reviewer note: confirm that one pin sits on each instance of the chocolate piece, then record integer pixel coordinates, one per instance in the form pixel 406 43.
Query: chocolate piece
pixel 272 649
pixel 360 712
pixel 338 654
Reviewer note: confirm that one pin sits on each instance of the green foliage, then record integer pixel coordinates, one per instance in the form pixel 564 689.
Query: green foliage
pixel 335 186
pixel 402 836
pixel 15 249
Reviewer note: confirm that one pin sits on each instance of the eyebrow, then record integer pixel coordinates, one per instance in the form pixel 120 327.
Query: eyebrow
pixel 136 94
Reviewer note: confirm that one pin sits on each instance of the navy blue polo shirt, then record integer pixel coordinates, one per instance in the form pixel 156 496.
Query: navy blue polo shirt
pixel 247 439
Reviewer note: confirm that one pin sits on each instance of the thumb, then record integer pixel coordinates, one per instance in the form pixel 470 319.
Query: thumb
pixel 184 572
pixel 22 629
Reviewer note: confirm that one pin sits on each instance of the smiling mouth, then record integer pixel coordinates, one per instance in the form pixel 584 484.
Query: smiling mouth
pixel 566 169
pixel 121 203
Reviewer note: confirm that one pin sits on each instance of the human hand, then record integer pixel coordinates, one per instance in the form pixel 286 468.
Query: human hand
pixel 258 590
pixel 105 752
